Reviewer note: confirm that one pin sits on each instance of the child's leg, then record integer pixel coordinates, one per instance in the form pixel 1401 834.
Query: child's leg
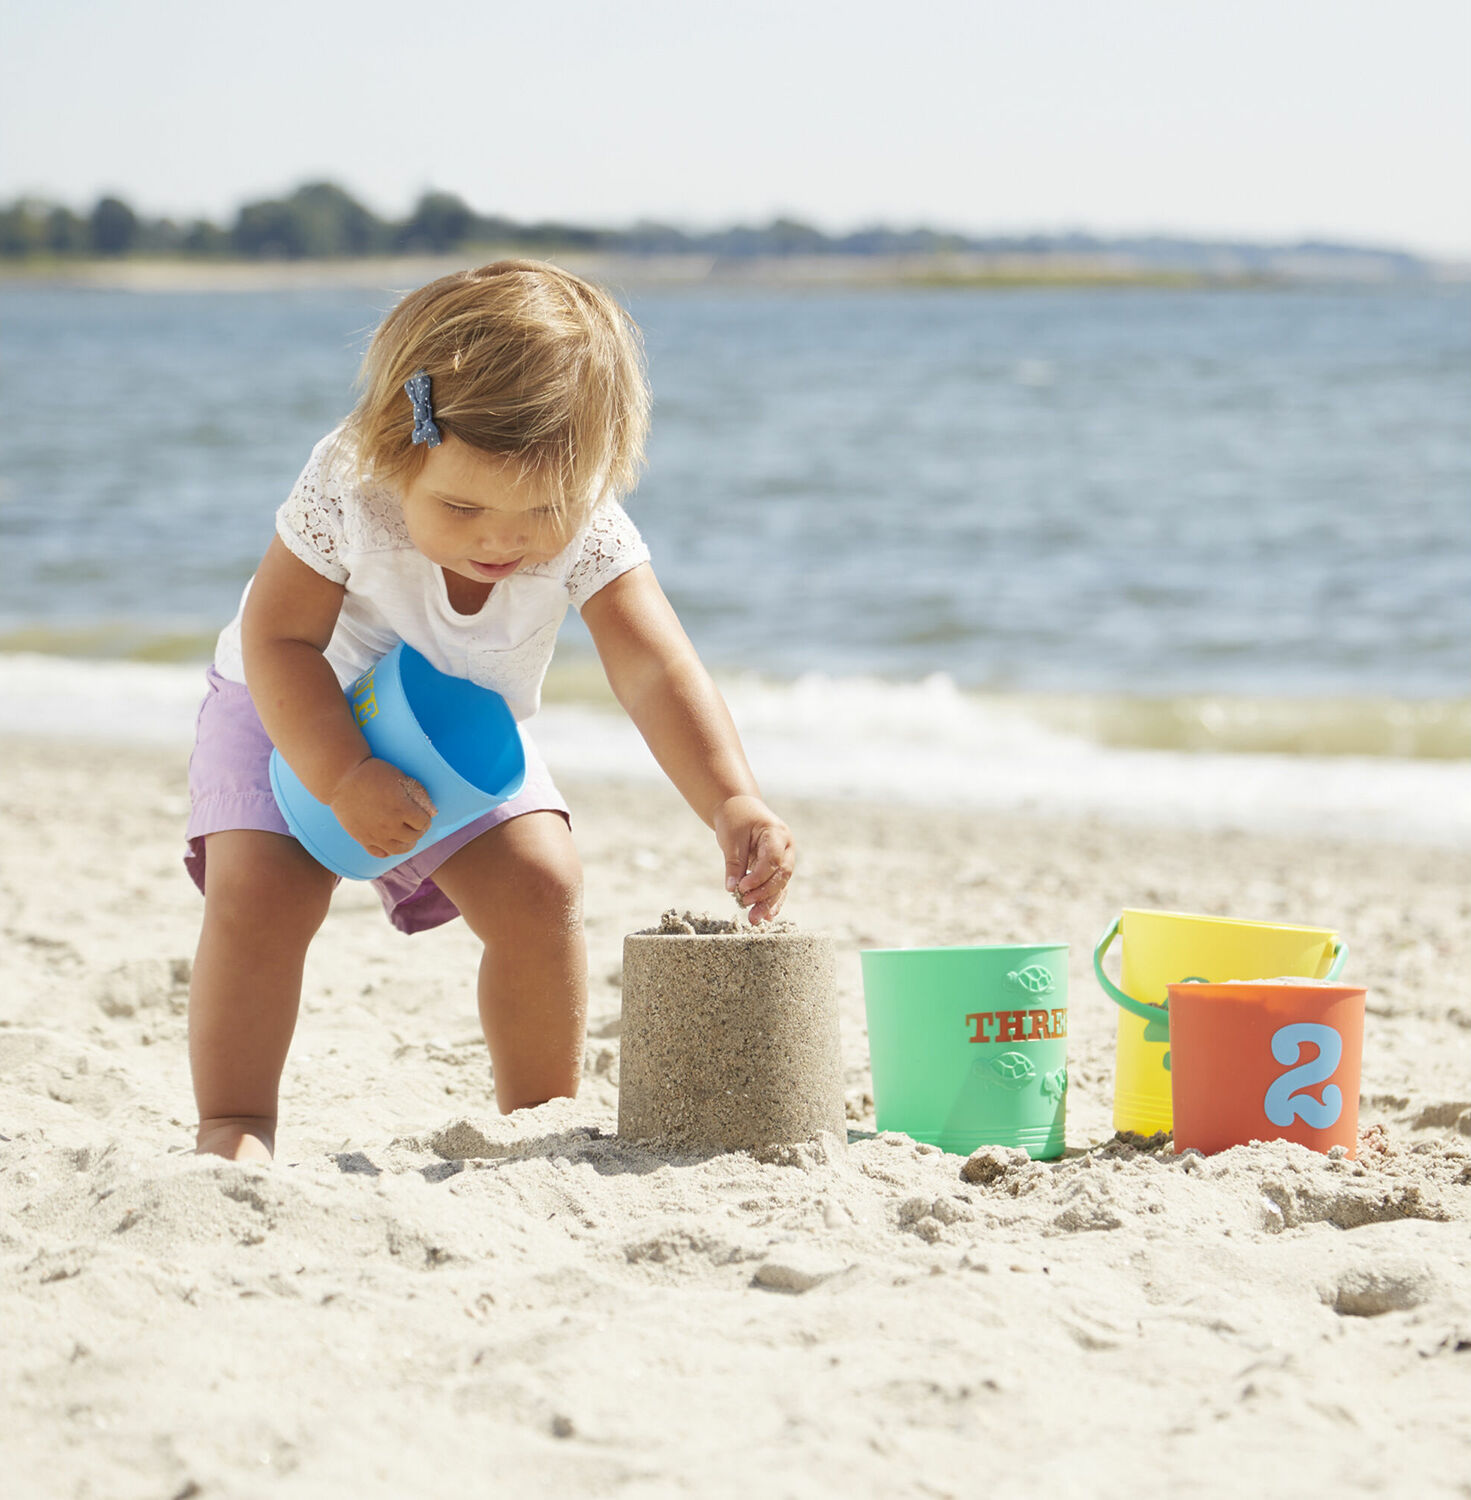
pixel 264 899
pixel 519 886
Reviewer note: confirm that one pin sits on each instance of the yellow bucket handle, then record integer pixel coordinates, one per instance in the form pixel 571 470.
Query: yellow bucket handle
pixel 1157 1012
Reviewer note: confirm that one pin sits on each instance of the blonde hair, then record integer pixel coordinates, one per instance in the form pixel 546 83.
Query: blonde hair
pixel 527 362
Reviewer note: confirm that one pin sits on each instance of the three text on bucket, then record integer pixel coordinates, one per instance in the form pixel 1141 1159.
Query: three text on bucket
pixel 1017 1025
pixel 364 700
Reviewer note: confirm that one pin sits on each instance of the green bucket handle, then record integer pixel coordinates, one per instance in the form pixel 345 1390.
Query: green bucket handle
pixel 1156 1012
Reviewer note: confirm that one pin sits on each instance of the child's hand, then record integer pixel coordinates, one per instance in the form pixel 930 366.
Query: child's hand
pixel 760 855
pixel 384 810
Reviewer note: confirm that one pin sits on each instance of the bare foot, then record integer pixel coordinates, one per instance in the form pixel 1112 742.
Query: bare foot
pixel 237 1138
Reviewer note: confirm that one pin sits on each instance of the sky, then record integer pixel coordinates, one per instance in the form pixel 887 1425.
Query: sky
pixel 1257 119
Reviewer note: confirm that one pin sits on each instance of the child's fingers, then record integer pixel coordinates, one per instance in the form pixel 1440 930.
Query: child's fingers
pixel 765 911
pixel 760 856
pixel 424 809
pixel 774 860
pixel 765 899
pixel 399 842
pixel 761 880
pixel 764 887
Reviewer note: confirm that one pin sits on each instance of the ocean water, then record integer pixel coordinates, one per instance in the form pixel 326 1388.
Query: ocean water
pixel 1201 499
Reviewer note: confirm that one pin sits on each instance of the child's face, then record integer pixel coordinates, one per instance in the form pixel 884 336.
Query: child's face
pixel 478 515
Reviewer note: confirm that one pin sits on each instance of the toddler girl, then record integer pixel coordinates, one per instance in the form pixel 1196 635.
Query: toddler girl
pixel 471 494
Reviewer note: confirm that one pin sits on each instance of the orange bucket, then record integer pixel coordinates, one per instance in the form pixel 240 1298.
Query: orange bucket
pixel 1266 1060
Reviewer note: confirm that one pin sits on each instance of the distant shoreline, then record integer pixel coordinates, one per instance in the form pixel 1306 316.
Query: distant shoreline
pixel 879 272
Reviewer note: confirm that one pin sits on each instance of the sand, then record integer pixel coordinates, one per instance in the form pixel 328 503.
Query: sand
pixel 730 1038
pixel 426 1298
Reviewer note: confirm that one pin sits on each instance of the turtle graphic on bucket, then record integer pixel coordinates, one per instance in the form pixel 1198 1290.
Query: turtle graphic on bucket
pixel 1035 979
pixel 1014 1069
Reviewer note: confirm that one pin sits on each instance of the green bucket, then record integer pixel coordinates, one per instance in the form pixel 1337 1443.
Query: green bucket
pixel 969 1045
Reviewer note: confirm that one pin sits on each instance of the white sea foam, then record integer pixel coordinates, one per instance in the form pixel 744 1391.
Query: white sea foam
pixel 124 702
pixel 929 744
pixel 924 743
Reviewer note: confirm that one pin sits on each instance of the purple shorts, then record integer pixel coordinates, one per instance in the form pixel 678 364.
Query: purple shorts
pixel 230 787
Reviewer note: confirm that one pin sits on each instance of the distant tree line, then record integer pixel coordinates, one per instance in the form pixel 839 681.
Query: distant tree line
pixel 320 220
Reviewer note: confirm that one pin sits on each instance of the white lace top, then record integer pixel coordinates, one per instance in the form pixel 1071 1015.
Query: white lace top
pixel 353 533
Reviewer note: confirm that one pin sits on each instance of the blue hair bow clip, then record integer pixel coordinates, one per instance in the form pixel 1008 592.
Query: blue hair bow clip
pixel 417 385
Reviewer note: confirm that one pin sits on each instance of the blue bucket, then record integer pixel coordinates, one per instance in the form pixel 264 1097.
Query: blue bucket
pixel 459 740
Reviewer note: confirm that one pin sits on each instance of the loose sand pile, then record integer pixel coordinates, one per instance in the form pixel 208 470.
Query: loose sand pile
pixel 426 1298
pixel 676 923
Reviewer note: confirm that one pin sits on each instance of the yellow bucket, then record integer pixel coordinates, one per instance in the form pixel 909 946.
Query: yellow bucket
pixel 1162 948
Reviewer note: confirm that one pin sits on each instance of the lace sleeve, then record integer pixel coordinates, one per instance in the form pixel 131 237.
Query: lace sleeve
pixel 310 520
pixel 611 546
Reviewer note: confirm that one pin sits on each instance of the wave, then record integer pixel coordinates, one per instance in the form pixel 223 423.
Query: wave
pixel 1273 724
pixel 1403 728
pixel 924 743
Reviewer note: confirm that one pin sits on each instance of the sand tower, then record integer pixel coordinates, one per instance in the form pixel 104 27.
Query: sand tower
pixel 730 1036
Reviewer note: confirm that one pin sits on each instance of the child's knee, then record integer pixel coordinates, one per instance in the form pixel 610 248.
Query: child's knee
pixel 548 884
pixel 538 895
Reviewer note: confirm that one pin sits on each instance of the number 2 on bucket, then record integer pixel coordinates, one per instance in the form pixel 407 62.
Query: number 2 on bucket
pixel 1283 1100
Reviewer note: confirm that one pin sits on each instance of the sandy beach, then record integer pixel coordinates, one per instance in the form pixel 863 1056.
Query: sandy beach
pixel 642 271
pixel 423 1297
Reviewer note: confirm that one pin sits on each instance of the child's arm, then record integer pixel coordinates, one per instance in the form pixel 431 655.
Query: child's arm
pixel 289 618
pixel 665 689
